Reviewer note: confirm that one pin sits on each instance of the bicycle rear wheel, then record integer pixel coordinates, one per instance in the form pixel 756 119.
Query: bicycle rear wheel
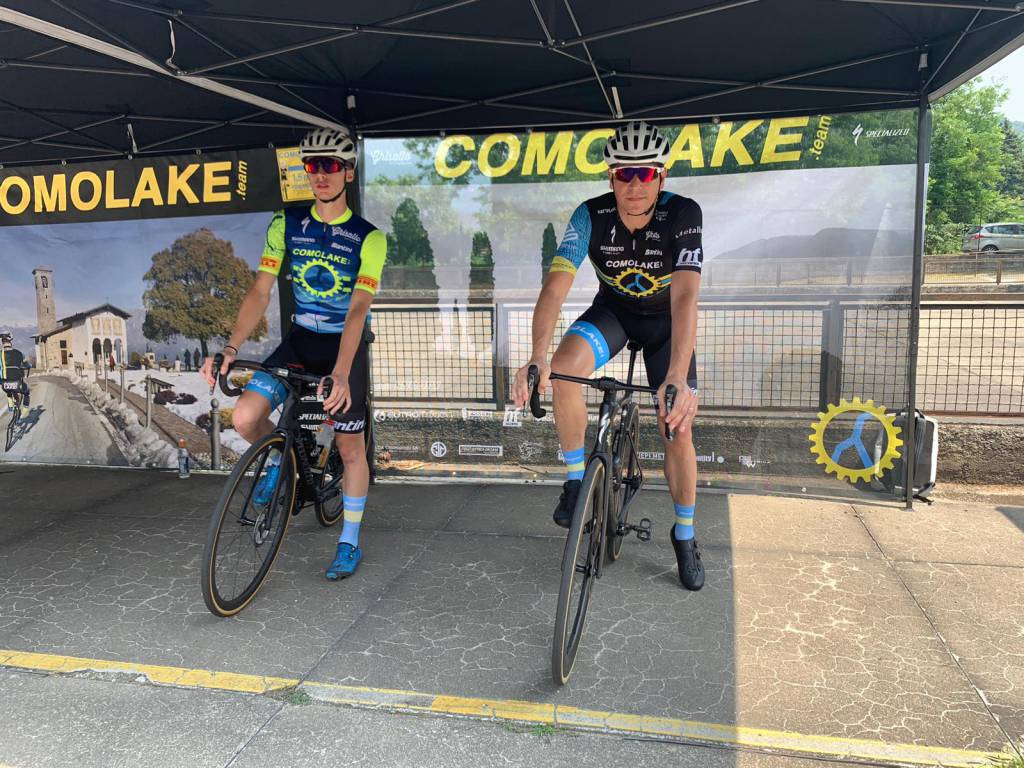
pixel 329 480
pixel 579 563
pixel 626 468
pixel 12 426
pixel 244 537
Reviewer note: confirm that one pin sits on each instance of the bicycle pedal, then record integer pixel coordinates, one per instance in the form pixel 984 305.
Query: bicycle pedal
pixel 643 529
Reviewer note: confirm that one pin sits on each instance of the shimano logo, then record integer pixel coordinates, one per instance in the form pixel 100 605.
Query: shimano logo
pixel 303 239
pixel 650 235
pixel 612 248
pixel 688 257
pixel 342 232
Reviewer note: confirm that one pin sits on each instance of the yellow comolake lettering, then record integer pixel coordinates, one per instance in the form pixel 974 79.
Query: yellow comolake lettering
pixel 446 171
pixel 732 142
pixel 583 163
pixel 5 191
pixel 688 147
pixel 776 138
pixel 77 181
pixel 538 154
pixel 215 175
pixel 177 183
pixel 111 201
pixel 148 188
pixel 53 198
pixel 514 148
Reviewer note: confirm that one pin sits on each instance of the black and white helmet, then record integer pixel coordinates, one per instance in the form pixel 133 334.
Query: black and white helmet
pixel 636 143
pixel 329 142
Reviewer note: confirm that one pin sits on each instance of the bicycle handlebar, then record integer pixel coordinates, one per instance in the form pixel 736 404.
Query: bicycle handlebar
pixel 604 383
pixel 285 374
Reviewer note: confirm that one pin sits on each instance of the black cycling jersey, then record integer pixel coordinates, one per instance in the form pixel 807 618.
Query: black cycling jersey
pixel 635 268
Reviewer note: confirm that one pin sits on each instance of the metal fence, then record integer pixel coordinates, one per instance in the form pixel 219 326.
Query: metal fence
pixel 795 355
pixel 960 269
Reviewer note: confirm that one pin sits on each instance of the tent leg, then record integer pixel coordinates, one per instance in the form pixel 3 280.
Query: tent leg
pixel 921 192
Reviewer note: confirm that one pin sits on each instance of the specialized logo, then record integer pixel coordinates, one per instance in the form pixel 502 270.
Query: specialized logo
pixel 857 132
pixel 613 234
pixel 689 258
pixel 318 277
pixel 305 223
pixel 871 469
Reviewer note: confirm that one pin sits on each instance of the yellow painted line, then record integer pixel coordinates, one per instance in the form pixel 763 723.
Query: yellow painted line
pixel 519 711
pixel 185 678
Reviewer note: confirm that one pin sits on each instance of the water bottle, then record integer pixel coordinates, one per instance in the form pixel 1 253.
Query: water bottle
pixel 183 468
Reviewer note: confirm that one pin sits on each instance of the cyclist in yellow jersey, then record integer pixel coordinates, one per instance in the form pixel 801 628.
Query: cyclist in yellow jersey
pixel 335 259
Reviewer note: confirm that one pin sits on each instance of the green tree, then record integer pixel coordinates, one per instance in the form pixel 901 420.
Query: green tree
pixel 967 154
pixel 135 360
pixel 548 246
pixel 194 289
pixel 481 262
pixel 408 242
pixel 1013 162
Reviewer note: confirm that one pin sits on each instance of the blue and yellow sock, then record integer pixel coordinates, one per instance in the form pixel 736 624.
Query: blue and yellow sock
pixel 684 522
pixel 354 506
pixel 574 463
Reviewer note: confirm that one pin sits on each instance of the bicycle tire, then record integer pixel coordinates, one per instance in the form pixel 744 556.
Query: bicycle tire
pixel 329 478
pixel 244 477
pixel 586 534
pixel 625 467
pixel 12 426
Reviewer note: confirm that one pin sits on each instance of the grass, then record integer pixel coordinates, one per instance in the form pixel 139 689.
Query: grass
pixel 1013 757
pixel 542 729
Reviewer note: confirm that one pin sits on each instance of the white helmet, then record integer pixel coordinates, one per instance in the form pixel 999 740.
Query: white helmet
pixel 329 142
pixel 636 143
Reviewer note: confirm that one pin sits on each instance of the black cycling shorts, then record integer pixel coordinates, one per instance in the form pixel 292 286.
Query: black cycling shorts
pixel 607 327
pixel 317 353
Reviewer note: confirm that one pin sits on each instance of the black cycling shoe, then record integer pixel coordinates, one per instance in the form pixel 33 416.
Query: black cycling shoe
pixel 691 569
pixel 567 503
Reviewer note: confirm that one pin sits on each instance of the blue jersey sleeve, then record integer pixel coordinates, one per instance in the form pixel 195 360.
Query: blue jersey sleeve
pixel 575 242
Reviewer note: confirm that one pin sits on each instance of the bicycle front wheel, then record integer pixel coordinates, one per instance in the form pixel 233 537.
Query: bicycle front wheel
pixel 626 470
pixel 248 526
pixel 579 564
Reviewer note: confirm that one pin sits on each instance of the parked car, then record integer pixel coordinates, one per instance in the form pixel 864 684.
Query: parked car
pixel 995 237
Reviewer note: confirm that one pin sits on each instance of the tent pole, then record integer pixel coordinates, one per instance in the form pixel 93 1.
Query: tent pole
pixel 920 195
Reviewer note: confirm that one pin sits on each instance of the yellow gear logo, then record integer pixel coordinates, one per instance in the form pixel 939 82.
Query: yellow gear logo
pixel 871 468
pixel 636 286
pixel 318 292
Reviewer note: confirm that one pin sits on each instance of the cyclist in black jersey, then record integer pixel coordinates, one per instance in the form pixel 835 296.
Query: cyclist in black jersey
pixel 646 248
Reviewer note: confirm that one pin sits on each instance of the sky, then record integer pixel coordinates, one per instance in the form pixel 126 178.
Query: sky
pixel 94 264
pixel 1011 71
